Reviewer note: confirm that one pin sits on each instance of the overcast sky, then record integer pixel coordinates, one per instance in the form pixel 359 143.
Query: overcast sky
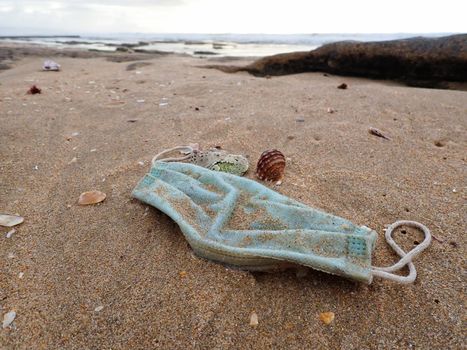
pixel 232 16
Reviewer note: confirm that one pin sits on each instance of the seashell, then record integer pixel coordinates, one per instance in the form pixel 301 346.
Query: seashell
pixel 50 65
pixel 10 220
pixel 271 166
pixel 231 163
pixel 214 158
pixel 91 197
pixel 220 160
pixel 8 319
pixel 254 319
pixel 376 132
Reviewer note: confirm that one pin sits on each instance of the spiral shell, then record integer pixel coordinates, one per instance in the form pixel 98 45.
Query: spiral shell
pixel 271 166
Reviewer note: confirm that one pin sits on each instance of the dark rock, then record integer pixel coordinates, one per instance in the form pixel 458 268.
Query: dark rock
pixel 122 49
pixel 427 62
pixel 153 52
pixel 342 86
pixel 204 53
pixel 34 90
pixel 137 65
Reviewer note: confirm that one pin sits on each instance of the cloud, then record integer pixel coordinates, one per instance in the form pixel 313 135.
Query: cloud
pixel 127 3
pixel 81 16
pixel 239 16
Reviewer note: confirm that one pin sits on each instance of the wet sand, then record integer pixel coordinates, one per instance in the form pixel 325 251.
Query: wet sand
pixel 118 275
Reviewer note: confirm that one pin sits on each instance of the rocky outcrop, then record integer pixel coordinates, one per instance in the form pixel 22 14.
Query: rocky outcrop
pixel 428 62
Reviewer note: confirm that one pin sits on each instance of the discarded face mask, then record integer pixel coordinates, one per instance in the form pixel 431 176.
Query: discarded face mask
pixel 213 158
pixel 237 221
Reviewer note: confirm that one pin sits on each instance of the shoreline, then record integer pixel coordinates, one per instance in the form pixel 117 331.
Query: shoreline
pixel 12 52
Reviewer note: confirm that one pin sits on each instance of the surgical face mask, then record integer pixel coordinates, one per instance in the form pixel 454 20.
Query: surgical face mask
pixel 239 222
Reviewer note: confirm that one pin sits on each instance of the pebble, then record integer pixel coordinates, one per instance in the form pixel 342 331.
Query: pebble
pixel 140 101
pixel 20 275
pixel 162 104
pixel 10 233
pixel 8 318
pixel 99 308
pixel 326 317
pixel 254 319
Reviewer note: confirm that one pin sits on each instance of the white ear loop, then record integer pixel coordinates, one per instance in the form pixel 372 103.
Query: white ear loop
pixel 406 258
pixel 185 149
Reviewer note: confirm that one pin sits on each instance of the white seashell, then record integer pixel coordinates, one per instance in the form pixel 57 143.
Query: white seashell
pixel 10 233
pixel 10 220
pixel 50 65
pixel 8 318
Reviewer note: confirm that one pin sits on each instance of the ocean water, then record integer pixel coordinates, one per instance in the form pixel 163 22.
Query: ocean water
pixel 215 45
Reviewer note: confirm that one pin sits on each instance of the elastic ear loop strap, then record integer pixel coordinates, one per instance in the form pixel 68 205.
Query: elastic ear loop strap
pixel 406 258
pixel 158 157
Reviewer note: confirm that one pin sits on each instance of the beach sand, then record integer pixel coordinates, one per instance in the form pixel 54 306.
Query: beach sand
pixel 120 275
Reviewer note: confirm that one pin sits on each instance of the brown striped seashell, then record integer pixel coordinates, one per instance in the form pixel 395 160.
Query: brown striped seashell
pixel 271 166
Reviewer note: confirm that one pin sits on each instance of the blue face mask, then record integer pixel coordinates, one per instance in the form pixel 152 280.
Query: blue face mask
pixel 237 221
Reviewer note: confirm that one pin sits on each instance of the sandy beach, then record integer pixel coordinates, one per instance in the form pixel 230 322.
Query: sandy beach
pixel 120 275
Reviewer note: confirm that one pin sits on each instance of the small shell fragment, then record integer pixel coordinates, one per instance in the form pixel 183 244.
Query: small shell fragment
pixel 91 197
pixel 8 319
pixel 99 308
pixel 10 220
pixel 253 319
pixel 376 132
pixel 326 317
pixel 271 166
pixel 10 233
